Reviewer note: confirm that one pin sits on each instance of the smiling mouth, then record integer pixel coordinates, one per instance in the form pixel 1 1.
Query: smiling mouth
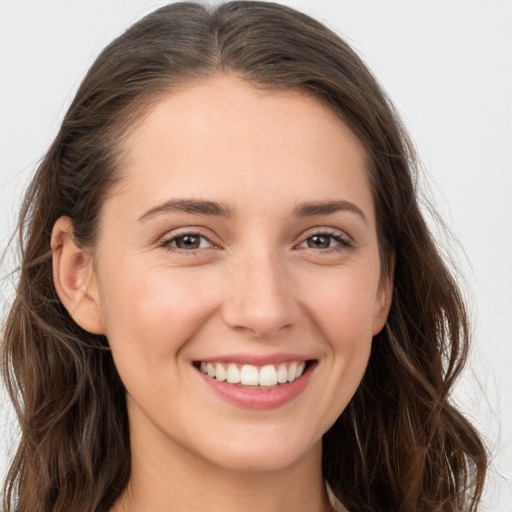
pixel 251 376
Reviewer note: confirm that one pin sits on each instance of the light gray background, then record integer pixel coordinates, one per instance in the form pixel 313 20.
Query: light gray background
pixel 446 65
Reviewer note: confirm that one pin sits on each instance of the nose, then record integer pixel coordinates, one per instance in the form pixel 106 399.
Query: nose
pixel 260 297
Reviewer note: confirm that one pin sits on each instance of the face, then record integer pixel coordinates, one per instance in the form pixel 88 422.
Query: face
pixel 240 245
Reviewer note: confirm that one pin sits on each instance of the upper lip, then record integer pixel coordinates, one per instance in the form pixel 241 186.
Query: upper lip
pixel 256 360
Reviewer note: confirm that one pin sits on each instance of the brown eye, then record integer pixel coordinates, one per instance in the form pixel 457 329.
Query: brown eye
pixel 187 242
pixel 323 241
pixel 319 241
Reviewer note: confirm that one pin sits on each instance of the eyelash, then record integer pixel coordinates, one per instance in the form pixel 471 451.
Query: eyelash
pixel 343 241
pixel 166 243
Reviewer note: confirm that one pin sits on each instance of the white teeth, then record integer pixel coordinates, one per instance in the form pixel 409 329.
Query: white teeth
pixel 233 374
pixel 268 376
pixel 220 372
pixel 292 372
pixel 282 374
pixel 249 375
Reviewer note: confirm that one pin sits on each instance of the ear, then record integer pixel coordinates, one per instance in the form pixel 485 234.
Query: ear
pixel 384 298
pixel 75 279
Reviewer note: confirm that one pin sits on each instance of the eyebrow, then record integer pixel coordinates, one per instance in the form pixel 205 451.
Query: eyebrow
pixel 214 208
pixel 310 209
pixel 188 206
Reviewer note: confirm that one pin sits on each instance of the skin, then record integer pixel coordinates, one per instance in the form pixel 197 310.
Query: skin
pixel 258 284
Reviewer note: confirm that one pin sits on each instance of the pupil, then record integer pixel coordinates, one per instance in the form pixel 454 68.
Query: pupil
pixel 188 242
pixel 319 241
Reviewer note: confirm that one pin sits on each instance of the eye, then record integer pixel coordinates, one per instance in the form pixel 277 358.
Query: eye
pixel 187 242
pixel 326 240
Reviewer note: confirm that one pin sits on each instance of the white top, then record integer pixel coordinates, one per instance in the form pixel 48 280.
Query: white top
pixel 335 502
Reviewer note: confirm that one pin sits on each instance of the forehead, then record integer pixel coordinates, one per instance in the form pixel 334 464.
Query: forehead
pixel 227 138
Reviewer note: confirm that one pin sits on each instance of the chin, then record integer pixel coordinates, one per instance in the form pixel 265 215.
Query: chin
pixel 265 453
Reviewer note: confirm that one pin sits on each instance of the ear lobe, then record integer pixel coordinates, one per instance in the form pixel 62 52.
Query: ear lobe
pixel 75 279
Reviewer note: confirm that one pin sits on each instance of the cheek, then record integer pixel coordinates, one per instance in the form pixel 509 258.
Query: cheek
pixel 152 311
pixel 341 306
pixel 342 303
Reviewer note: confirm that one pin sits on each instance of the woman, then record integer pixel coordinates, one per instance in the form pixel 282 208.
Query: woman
pixel 229 298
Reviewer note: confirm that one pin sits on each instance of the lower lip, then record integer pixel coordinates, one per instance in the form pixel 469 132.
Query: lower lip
pixel 259 398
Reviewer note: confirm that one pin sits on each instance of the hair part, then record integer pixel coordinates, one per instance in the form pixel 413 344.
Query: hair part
pixel 400 444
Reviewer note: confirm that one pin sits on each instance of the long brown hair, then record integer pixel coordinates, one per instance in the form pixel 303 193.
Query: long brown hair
pixel 400 445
